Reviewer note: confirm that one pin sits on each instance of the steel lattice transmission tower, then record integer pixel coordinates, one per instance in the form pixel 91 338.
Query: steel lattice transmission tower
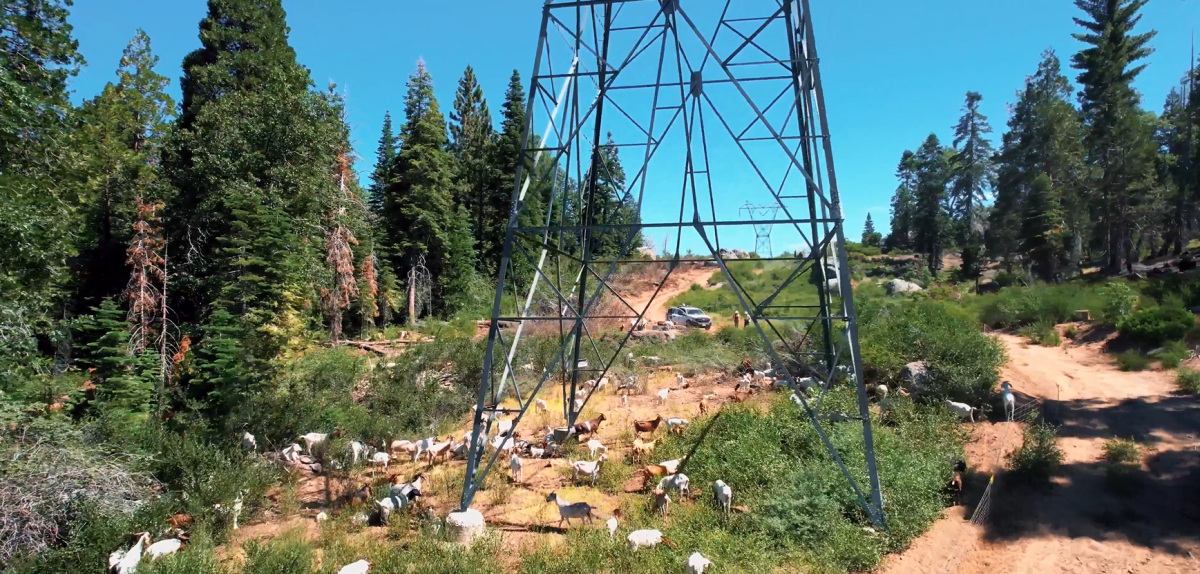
pixel 705 107
pixel 762 231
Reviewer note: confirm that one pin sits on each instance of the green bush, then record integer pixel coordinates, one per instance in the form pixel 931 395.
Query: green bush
pixel 963 362
pixel 1172 354
pixel 1018 307
pixel 1071 332
pixel 1132 360
pixel 1121 451
pixel 1039 456
pixel 1118 302
pixel 283 555
pixel 1187 381
pixel 1157 325
pixel 1007 278
pixel 1044 333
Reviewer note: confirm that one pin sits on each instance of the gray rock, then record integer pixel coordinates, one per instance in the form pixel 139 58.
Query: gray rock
pixel 915 377
pixel 898 286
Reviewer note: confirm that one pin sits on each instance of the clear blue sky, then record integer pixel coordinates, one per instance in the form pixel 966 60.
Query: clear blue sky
pixel 893 71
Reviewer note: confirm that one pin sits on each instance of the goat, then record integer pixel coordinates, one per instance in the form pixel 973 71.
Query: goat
pixel 956 483
pixel 601 384
pixel 568 510
pixel 683 384
pixel 248 442
pixel 441 449
pixel 578 405
pixel 697 563
pixel 406 489
pixel 235 511
pixel 518 469
pixel 536 452
pixel 360 567
pixel 723 495
pixel 704 406
pixel 739 396
pixel 401 445
pixel 1010 402
pixel 503 444
pixel 589 427
pixel 590 468
pixel 126 562
pixel 646 426
pixel 962 409
pixel 422 446
pixel 540 406
pixel 321 518
pixel 662 396
pixel 503 427
pixel 642 448
pixel 881 391
pixel 393 503
pixel 672 466
pixel 379 459
pixel 644 539
pixel 361 495
pixel 661 501
pixel 313 439
pixel 678 482
pixel 180 520
pixel 611 523
pixel 676 425
pixel 624 400
pixel 357 449
pixel 595 445
pixel 653 470
pixel 163 548
pixel 291 453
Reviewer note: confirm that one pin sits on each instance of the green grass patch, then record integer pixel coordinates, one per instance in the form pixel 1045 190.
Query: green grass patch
pixel 758 279
pixel 1187 381
pixel 1044 333
pixel 1122 451
pixel 1172 354
pixel 1018 307
pixel 1158 324
pixel 1132 360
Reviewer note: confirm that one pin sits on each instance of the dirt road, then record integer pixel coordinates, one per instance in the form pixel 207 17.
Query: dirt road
pixel 1081 524
pixel 680 280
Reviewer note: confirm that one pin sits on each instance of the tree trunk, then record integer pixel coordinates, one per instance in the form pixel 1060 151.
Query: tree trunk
pixel 412 297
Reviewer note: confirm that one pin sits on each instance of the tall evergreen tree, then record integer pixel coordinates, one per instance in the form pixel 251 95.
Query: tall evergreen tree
pixel 506 152
pixel 903 203
pixel 932 221
pixel 972 174
pixel 470 142
pixel 123 129
pixel 385 156
pixel 419 205
pixel 1108 67
pixel 870 237
pixel 1176 148
pixel 1041 228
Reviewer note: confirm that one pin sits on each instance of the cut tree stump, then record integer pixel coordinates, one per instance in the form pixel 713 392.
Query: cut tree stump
pixel 1083 315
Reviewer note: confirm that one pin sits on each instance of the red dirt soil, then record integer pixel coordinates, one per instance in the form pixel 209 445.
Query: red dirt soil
pixel 1080 525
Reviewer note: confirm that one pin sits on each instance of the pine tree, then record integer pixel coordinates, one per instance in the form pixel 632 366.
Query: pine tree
pixel 506 152
pixel 1108 67
pixel 419 208
pixel 1041 229
pixel 470 142
pixel 903 206
pixel 461 283
pixel 870 237
pixel 124 128
pixel 972 175
pixel 385 157
pixel 931 221
pixel 1174 140
pixel 124 381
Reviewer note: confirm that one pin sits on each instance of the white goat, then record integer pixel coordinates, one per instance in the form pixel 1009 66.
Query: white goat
pixel 679 378
pixel 697 563
pixel 672 466
pixel 518 469
pixel 962 409
pixel 643 539
pixel 578 405
pixel 503 427
pixel 601 384
pixel 291 453
pixel 313 439
pixel 674 423
pixel 321 518
pixel 662 396
pixel 358 450
pixel 539 452
pixel 234 511
pixel 679 482
pixel 612 526
pixel 1010 402
pixel 389 505
pixel 248 442
pixel 128 562
pixel 662 501
pixel 163 548
pixel 589 468
pixel 540 406
pixel 359 567
pixel 594 445
pixel 758 375
pixel 379 459
pixel 568 510
pixel 723 495
pixel 422 446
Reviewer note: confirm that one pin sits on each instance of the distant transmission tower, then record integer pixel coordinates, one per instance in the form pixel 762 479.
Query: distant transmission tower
pixel 666 88
pixel 765 214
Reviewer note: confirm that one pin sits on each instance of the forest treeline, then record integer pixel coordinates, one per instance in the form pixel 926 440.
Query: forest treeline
pixel 176 251
pixel 1083 176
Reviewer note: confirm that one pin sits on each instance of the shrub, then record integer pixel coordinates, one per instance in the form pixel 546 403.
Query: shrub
pixel 1070 332
pixel 1187 381
pixel 1121 451
pixel 1132 360
pixel 1013 308
pixel 1156 325
pixel 284 555
pixel 1039 456
pixel 1007 278
pixel 1044 333
pixel 1172 354
pixel 1118 302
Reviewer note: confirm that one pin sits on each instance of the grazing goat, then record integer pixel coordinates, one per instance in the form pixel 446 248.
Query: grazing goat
pixel 677 482
pixel 723 495
pixel 1010 402
pixel 589 427
pixel 624 400
pixel 518 469
pixel 612 526
pixel 503 427
pixel 321 518
pixel 643 539
pixel 180 520
pixel 379 459
pixel 291 453
pixel 662 396
pixel 704 406
pixel 406 489
pixel 163 548
pixel 540 406
pixel 601 384
pixel 642 448
pixel 248 442
pixel 442 449
pixel 676 425
pixel 361 495
pixel 653 470
pixel 578 405
pixel 595 445
pixel 568 510
pixel 313 439
pixel 537 452
pixel 587 467
pixel 400 445
pixel 962 409
pixel 391 504
pixel 661 501
pixel 672 466
pixel 360 567
pixel 234 511
pixel 357 449
pixel 646 426
pixel 422 446
pixel 126 562
pixel 697 563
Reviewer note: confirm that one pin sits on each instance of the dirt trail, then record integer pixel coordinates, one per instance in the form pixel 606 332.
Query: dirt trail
pixel 1079 525
pixel 678 282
